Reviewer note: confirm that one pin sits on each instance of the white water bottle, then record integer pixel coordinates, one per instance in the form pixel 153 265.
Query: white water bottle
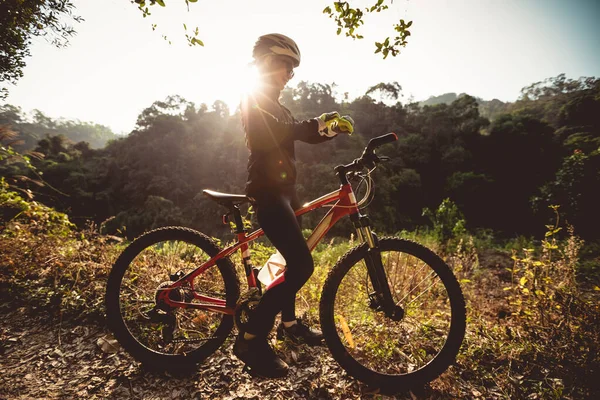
pixel 273 268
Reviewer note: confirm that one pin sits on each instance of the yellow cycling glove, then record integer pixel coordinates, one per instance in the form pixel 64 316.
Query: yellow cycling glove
pixel 344 124
pixel 327 121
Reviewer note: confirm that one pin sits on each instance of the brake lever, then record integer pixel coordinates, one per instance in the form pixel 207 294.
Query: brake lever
pixel 353 175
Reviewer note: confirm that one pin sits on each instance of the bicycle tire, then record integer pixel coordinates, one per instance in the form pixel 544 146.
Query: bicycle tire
pixel 352 358
pixel 114 314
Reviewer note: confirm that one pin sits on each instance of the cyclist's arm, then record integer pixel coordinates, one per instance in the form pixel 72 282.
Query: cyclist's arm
pixel 312 137
pixel 265 131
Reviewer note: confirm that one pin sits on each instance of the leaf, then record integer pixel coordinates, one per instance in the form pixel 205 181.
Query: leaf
pixel 327 10
pixel 160 3
pixel 346 331
pixel 523 281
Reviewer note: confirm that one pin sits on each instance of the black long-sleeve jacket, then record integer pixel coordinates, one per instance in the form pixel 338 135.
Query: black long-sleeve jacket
pixel 270 135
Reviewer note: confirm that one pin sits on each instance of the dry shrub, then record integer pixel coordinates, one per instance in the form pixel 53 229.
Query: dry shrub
pixel 45 261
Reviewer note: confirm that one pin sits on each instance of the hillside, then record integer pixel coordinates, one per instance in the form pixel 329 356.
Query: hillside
pixel 32 129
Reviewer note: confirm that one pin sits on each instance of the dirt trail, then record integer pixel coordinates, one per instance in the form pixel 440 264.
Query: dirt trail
pixel 42 359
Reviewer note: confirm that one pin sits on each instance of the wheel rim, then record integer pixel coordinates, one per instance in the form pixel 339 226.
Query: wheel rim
pixel 169 331
pixel 379 343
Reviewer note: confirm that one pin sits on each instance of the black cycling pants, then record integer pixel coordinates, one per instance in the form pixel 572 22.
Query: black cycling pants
pixel 275 214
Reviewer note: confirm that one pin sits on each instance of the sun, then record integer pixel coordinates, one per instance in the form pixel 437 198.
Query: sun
pixel 243 81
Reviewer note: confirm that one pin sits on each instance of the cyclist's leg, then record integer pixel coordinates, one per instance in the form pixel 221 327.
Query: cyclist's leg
pixel 288 306
pixel 276 216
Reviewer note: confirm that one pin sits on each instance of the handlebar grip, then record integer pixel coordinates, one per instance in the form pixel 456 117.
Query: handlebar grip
pixel 381 140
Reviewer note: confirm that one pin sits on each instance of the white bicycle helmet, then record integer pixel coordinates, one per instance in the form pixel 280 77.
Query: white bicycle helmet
pixel 276 44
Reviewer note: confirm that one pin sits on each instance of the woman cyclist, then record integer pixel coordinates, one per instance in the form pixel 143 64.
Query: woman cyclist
pixel 270 135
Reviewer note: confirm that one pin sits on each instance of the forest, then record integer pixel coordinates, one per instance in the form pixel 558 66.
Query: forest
pixel 506 193
pixel 502 164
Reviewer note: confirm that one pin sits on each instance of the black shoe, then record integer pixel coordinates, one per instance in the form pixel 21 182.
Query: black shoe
pixel 300 333
pixel 259 357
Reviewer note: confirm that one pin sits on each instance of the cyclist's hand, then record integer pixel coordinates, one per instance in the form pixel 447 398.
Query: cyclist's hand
pixel 326 123
pixel 344 124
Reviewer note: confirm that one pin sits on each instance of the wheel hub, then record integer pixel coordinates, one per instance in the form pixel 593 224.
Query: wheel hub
pixel 179 294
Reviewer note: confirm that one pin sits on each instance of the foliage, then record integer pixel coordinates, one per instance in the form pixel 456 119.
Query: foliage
pixel 552 318
pixel 390 90
pixel 349 19
pixel 20 21
pixel 15 210
pixel 500 174
pixel 448 222
pixel 46 262
pixel 558 85
pixel 32 129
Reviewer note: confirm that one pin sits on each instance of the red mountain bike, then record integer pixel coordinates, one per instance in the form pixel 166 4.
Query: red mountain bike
pixel 391 311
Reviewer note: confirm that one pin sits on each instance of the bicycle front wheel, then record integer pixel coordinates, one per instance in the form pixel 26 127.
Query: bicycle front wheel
pixel 378 350
pixel 154 333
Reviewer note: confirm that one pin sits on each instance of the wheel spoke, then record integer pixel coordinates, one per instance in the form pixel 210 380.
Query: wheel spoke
pixel 415 287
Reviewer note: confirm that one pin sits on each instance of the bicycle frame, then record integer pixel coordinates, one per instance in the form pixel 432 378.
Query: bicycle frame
pixel 345 204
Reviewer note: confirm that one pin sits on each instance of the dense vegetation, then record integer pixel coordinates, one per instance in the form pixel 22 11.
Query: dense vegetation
pixel 502 172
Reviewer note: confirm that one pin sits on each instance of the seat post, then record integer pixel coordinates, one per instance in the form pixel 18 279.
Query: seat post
pixel 237 217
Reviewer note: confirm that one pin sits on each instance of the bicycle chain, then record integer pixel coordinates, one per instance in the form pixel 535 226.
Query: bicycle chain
pixel 177 341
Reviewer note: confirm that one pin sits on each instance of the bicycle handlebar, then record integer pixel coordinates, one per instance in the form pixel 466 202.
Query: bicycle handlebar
pixel 380 141
pixel 368 159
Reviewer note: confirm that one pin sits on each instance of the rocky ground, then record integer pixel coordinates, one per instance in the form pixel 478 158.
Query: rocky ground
pixel 45 358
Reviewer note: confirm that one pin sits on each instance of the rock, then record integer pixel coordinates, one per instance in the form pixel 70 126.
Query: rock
pixel 108 345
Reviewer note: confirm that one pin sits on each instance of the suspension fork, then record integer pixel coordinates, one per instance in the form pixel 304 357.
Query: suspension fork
pixel 381 298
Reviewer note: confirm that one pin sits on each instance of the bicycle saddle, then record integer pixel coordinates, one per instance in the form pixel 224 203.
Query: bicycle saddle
pixel 226 199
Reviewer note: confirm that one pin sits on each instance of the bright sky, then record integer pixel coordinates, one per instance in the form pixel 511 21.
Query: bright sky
pixel 116 65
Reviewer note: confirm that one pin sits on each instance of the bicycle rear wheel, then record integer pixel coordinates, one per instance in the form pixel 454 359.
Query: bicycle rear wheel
pixel 394 355
pixel 160 336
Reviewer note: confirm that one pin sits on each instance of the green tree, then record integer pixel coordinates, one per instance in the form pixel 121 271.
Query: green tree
pixel 386 90
pixel 22 20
